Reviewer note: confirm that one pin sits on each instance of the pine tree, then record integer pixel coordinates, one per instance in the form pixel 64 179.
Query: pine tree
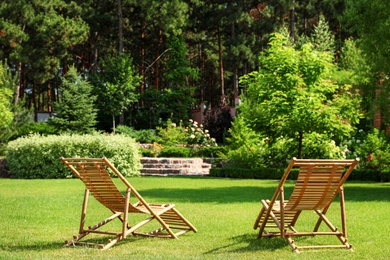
pixel 75 111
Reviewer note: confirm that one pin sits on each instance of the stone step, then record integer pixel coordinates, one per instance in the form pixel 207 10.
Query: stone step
pixel 174 166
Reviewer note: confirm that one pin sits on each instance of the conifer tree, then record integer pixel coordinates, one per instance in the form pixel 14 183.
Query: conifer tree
pixel 75 112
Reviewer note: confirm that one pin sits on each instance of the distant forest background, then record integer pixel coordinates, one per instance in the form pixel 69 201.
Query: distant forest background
pixel 183 53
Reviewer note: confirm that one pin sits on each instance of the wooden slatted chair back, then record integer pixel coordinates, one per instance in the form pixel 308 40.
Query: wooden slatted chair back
pixel 318 182
pixel 97 179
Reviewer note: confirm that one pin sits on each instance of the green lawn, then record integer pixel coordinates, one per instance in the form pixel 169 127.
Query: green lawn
pixel 37 216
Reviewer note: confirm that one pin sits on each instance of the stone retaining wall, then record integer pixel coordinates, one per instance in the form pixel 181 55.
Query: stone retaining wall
pixel 174 166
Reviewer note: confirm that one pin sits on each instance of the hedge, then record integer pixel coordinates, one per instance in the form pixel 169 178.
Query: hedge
pixel 38 157
pixel 276 174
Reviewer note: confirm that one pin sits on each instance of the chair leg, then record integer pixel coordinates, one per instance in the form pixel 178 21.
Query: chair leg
pixel 84 211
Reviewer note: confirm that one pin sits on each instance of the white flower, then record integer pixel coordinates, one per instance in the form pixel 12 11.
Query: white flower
pixel 192 136
pixel 191 120
pixel 174 124
pixel 206 131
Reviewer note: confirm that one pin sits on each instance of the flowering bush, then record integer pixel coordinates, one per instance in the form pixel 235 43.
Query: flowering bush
pixel 374 151
pixel 193 136
pixel 196 135
pixel 172 134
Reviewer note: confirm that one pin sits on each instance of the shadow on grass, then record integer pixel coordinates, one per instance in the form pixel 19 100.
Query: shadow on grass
pixel 249 243
pixel 34 247
pixel 239 194
pixel 218 195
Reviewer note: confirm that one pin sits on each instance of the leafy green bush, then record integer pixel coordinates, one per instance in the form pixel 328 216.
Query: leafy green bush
pixel 175 151
pixel 375 151
pixel 260 173
pixel 143 136
pixel 276 173
pixel 171 134
pixel 41 128
pixel 246 148
pixel 146 152
pixel 209 151
pixel 36 156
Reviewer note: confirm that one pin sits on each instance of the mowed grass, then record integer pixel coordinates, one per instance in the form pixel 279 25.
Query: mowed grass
pixel 37 216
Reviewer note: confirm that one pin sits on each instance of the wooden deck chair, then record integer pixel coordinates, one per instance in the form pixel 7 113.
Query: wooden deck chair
pixel 94 172
pixel 318 183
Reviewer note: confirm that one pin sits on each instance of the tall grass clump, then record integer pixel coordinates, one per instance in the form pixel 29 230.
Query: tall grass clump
pixel 36 156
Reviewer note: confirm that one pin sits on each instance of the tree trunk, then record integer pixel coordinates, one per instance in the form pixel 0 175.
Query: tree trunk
pixel 235 69
pixel 113 123
pixel 300 140
pixel 120 29
pixel 120 26
pixel 156 64
pixel 143 58
pixel 17 91
pixel 292 20
pixel 221 73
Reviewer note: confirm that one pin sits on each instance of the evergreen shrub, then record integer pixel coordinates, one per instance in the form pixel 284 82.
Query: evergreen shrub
pixel 358 174
pixel 245 173
pixel 38 157
pixel 175 151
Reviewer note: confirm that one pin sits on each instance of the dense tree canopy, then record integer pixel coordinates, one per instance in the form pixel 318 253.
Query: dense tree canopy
pixel 213 42
pixel 370 22
pixel 293 94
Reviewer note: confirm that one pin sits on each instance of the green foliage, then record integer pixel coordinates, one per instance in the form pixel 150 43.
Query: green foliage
pixel 172 134
pixel 38 157
pixel 75 112
pixel 319 146
pixel 246 148
pixel 115 85
pixel 321 37
pixel 196 135
pixel 369 21
pixel 375 151
pixel 209 151
pixel 6 94
pixel 178 68
pixel 161 105
pixel 40 35
pixel 13 116
pixel 142 136
pixel 292 94
pixel 253 173
pixel 175 151
pixel 40 128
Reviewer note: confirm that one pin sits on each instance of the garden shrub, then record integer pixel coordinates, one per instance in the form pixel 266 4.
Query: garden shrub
pixel 146 136
pixel 146 152
pixel 375 151
pixel 38 157
pixel 209 151
pixel 175 151
pixel 171 134
pixel 41 128
pixel 259 173
pixel 363 174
